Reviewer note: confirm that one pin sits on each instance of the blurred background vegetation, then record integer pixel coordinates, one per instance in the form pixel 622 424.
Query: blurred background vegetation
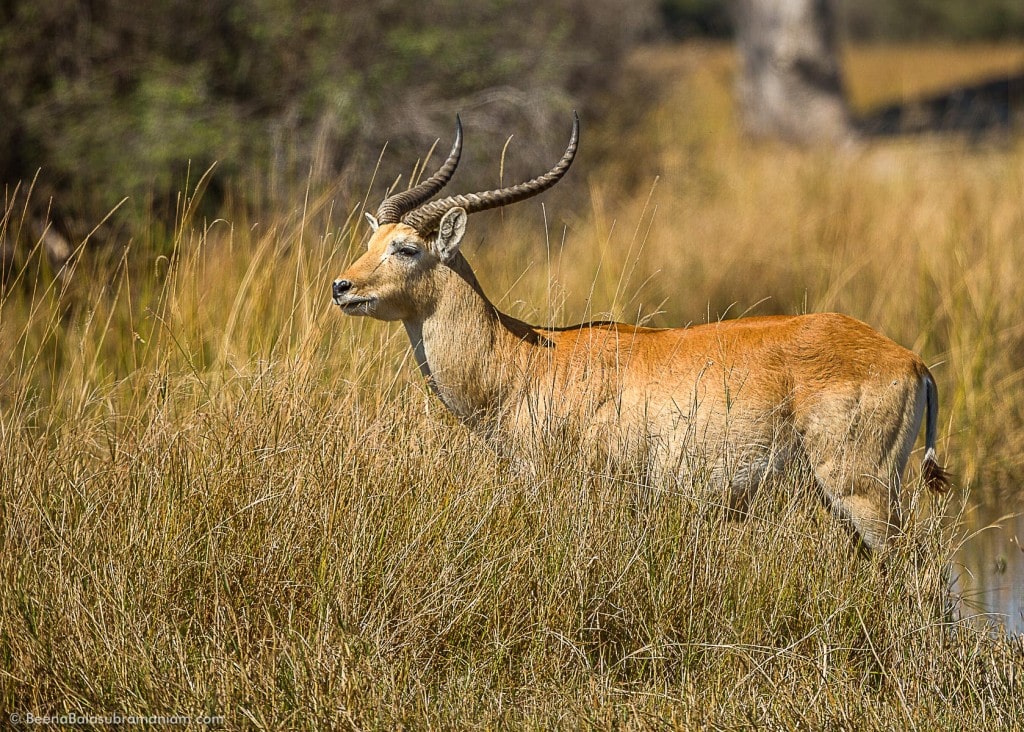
pixel 110 99
pixel 870 20
pixel 113 98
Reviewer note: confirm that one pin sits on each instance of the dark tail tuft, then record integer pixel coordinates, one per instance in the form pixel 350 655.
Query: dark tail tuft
pixel 935 476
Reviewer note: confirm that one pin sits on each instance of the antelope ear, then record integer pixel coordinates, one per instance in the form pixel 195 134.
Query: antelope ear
pixel 373 221
pixel 450 233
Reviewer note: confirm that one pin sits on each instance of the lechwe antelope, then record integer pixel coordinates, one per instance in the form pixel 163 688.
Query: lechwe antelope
pixel 741 400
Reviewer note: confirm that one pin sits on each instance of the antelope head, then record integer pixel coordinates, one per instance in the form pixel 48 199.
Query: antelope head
pixel 414 248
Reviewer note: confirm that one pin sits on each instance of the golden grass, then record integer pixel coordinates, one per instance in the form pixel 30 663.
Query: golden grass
pixel 220 496
pixel 886 74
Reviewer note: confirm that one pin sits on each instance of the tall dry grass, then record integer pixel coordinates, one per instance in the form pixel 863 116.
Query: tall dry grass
pixel 217 496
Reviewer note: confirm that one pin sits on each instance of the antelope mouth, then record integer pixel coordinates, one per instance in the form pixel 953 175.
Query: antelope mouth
pixel 355 305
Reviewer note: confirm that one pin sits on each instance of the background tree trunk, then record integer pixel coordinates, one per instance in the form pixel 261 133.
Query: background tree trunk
pixel 790 83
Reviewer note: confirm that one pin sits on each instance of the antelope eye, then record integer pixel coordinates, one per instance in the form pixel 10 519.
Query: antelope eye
pixel 407 251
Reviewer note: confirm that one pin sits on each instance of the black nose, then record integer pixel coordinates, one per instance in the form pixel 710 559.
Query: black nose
pixel 340 287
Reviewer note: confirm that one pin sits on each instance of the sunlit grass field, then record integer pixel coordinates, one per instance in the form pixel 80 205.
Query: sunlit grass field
pixel 220 496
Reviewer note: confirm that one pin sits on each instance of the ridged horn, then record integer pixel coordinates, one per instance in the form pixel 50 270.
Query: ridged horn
pixel 426 219
pixel 394 207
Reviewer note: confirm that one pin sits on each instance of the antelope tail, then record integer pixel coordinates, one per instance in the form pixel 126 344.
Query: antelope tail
pixel 934 475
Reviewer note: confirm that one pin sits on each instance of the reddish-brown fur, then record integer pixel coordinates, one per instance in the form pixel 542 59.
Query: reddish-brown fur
pixel 738 401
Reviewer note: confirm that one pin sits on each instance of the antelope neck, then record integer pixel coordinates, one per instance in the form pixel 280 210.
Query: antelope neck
pixel 465 346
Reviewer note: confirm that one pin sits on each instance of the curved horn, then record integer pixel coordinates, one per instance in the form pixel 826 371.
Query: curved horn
pixel 426 219
pixel 394 207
